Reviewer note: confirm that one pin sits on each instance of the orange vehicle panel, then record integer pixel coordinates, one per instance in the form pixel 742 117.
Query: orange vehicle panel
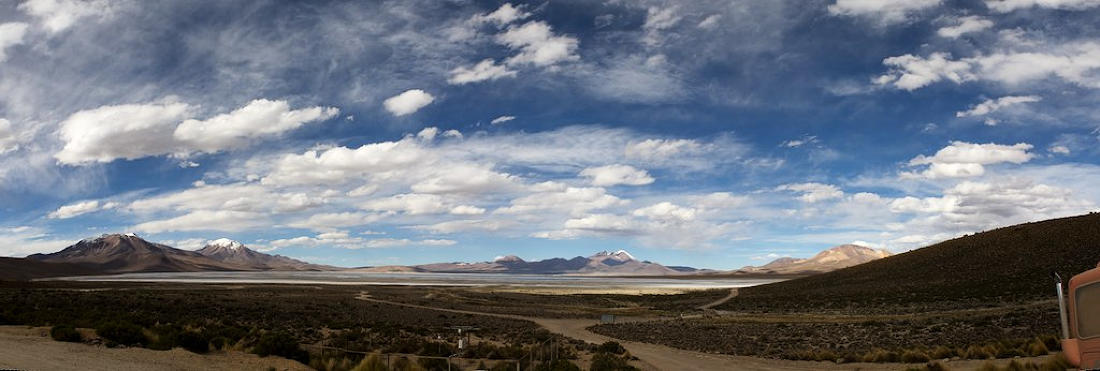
pixel 1083 349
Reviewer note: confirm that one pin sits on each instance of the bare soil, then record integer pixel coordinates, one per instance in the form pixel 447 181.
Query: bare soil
pixel 31 348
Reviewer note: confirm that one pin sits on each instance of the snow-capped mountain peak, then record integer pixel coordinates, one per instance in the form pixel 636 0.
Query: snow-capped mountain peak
pixel 623 254
pixel 507 258
pixel 226 243
pixel 620 255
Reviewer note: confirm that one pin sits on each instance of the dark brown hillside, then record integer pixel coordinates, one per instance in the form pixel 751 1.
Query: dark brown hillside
pixel 122 253
pixel 1006 264
pixel 20 269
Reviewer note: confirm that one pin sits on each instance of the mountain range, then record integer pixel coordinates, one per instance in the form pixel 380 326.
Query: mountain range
pixel 128 253
pixel 622 263
pixel 838 257
pixel 602 263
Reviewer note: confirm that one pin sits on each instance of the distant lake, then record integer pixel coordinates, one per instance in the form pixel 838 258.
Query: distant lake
pixel 429 279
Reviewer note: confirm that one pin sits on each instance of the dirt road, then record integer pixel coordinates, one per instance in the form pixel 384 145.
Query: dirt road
pixel 733 294
pixel 24 348
pixel 659 357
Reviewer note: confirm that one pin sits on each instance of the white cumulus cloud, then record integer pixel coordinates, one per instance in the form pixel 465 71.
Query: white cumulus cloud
pixel 1076 63
pixel 1005 6
pixel 79 208
pixel 992 105
pixel 813 192
pixel 883 11
pixel 408 102
pixel 258 118
pixel 132 131
pixel 487 69
pixel 502 119
pixel 611 175
pixel 965 25
pixel 962 159
pixel 538 45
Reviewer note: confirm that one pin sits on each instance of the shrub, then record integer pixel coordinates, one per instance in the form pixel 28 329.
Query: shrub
pixel 503 366
pixel 824 355
pixel 164 339
pixel 193 341
pixel 558 365
pixel 280 344
pixel 436 364
pixel 977 352
pixel 611 347
pixel 220 342
pixel 1037 348
pixel 124 333
pixel 930 366
pixel 609 362
pixel 373 363
pixel 883 356
pixel 913 356
pixel 942 352
pixel 1015 366
pixel 65 333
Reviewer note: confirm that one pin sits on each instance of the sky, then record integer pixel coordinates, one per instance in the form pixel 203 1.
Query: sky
pixel 713 134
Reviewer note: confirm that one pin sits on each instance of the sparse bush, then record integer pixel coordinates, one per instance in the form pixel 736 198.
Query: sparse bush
pixel 609 362
pixel 193 342
pixel 558 365
pixel 124 333
pixel 503 366
pixel 280 344
pixel 978 352
pixel 914 356
pixel 882 356
pixel 1016 366
pixel 404 364
pixel 220 343
pixel 612 347
pixel 65 333
pixel 941 352
pixel 372 363
pixel 435 364
pixel 1037 348
pixel 825 355
pixel 930 366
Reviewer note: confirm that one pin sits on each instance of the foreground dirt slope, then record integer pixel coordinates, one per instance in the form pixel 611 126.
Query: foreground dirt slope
pixel 25 348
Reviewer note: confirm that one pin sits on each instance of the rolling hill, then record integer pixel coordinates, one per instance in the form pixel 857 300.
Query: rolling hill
pixel 831 259
pixel 1006 264
pixel 19 269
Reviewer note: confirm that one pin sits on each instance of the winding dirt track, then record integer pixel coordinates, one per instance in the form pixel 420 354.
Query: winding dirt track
pixel 733 294
pixel 659 357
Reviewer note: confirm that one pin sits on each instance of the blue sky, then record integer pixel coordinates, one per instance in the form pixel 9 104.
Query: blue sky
pixel 713 134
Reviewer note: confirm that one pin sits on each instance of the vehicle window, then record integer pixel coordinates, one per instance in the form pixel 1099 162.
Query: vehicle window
pixel 1088 310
